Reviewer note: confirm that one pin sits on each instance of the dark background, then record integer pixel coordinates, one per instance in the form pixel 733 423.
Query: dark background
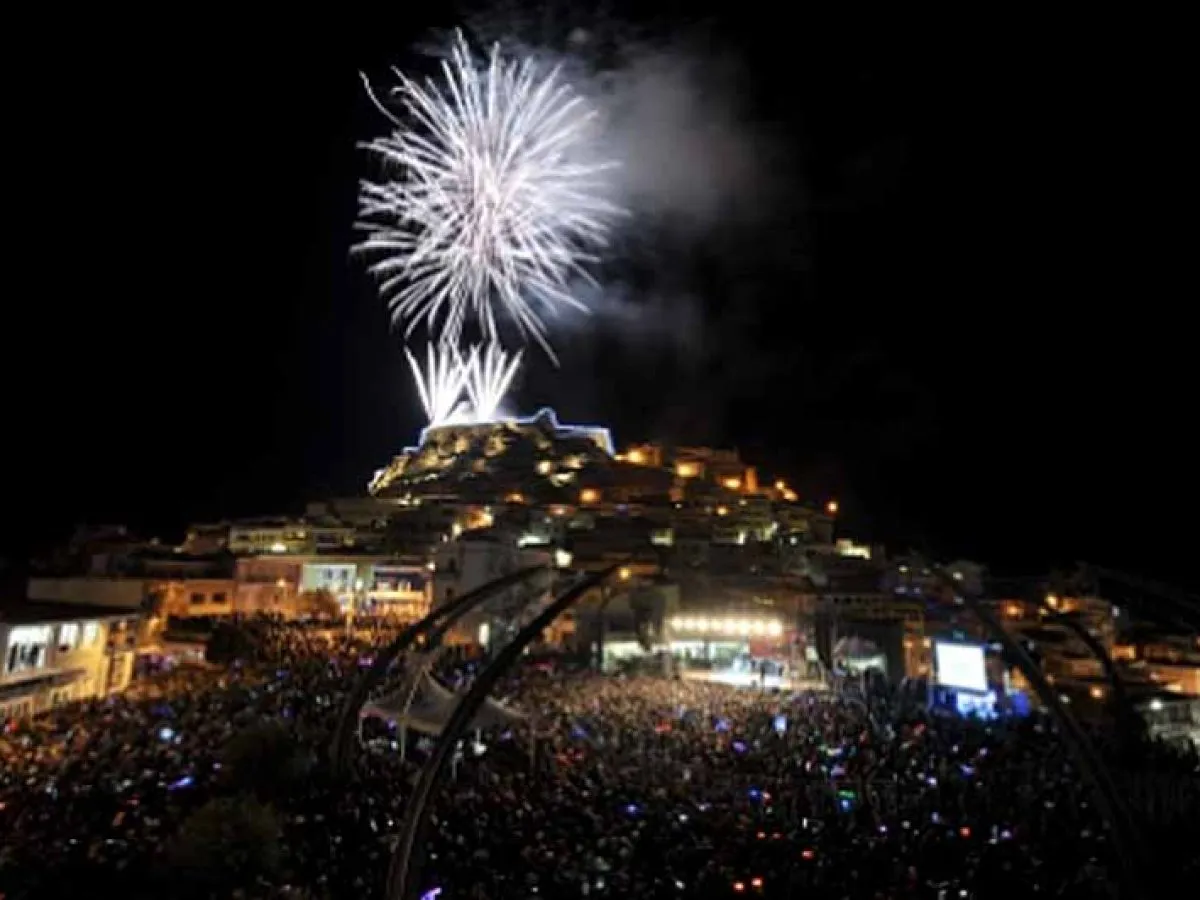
pixel 960 318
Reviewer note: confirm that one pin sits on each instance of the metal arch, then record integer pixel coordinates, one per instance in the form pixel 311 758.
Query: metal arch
pixel 1104 791
pixel 1115 681
pixel 1183 607
pixel 437 621
pixel 407 857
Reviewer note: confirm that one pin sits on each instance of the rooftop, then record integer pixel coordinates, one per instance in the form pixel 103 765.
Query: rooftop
pixel 37 612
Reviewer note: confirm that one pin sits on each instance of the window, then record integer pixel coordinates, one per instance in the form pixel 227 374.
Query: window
pixel 197 599
pixel 27 648
pixel 219 597
pixel 68 636
pixel 91 633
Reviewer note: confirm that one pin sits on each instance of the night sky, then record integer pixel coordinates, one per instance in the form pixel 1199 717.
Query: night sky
pixel 954 312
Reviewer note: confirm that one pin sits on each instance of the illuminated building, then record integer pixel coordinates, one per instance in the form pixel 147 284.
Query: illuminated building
pixel 291 585
pixel 723 467
pixel 643 455
pixel 185 598
pixel 287 536
pixel 486 447
pixel 206 538
pixel 56 653
pixel 474 559
pixel 268 536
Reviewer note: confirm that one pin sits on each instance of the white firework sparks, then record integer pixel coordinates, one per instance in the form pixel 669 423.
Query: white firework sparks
pixel 490 372
pixel 491 203
pixel 441 382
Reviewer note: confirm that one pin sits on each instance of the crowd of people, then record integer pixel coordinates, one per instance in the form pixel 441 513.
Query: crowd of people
pixel 215 782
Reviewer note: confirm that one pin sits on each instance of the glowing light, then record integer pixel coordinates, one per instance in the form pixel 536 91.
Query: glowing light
pixel 489 202
pixel 687 470
pixel 832 507
pixel 722 510
pixel 775 629
pixel 1097 692
pixel 625 573
pixel 597 434
pixel 440 383
pixel 514 498
pixel 488 376
pixel 589 495
pixel 636 457
pixel 732 483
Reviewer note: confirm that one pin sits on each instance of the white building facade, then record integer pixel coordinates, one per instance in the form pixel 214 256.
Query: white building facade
pixel 56 654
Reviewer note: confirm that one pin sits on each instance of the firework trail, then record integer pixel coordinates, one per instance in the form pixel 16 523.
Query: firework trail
pixel 440 383
pixel 490 205
pixel 489 373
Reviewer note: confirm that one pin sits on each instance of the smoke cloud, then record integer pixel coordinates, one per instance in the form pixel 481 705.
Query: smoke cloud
pixel 686 151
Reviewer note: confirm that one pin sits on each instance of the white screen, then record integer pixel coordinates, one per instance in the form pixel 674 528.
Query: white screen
pixel 961 666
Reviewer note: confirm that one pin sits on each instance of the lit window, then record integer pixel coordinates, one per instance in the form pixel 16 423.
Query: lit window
pixel 91 633
pixel 27 648
pixel 68 636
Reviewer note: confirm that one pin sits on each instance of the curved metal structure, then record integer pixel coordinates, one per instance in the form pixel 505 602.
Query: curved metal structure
pixel 409 852
pixel 1116 683
pixel 1083 754
pixel 437 622
pixel 1182 610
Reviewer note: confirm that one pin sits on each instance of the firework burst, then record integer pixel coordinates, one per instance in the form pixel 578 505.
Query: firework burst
pixel 440 383
pixel 489 373
pixel 490 204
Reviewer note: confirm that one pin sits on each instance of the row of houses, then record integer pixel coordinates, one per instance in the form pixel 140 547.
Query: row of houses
pixel 76 635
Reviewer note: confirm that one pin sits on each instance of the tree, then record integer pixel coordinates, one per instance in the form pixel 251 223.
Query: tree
pixel 227 843
pixel 264 759
pixel 320 603
pixel 229 641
